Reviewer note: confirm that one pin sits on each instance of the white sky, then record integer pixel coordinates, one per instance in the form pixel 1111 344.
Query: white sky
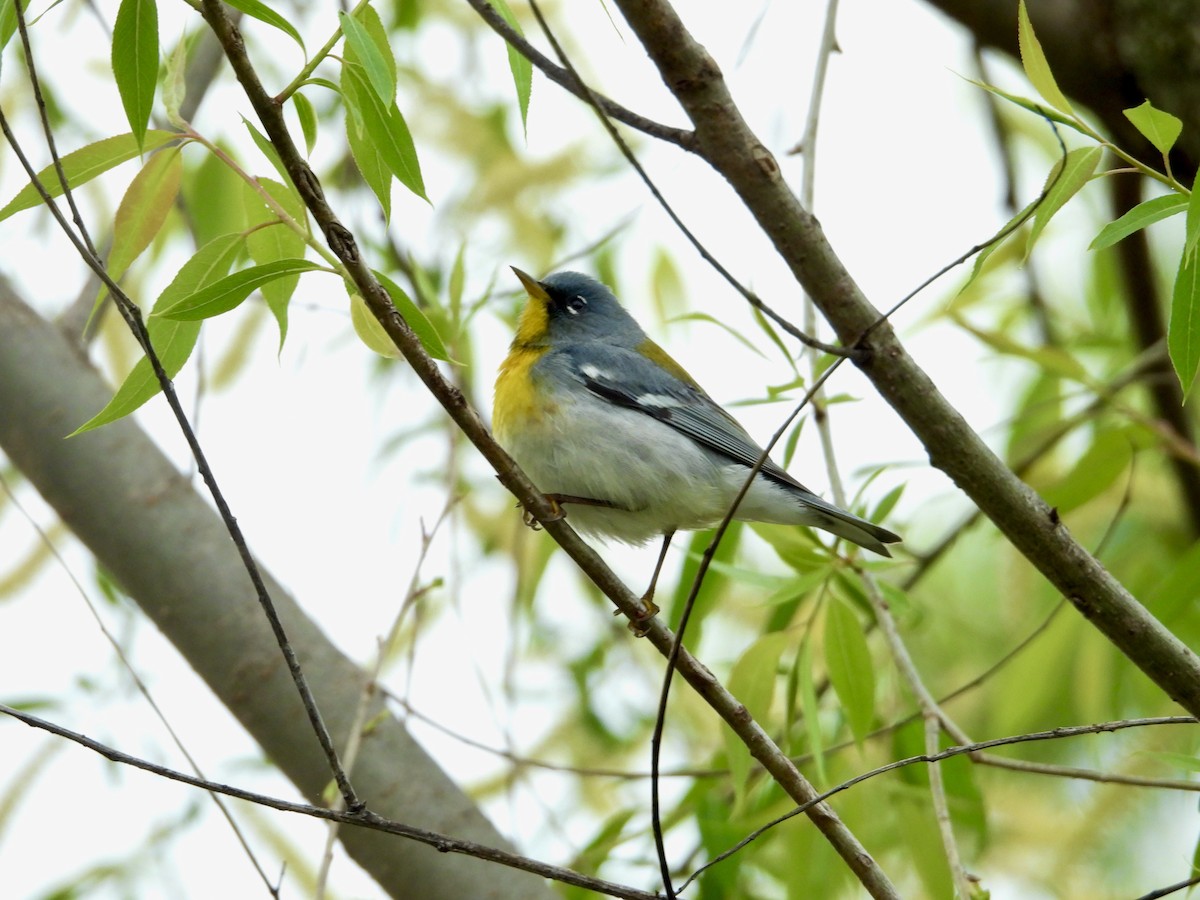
pixel 906 182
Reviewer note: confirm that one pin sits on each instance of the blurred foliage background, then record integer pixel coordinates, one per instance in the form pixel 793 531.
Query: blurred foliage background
pixel 505 661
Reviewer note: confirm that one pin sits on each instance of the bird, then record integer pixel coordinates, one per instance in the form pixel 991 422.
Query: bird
pixel 621 439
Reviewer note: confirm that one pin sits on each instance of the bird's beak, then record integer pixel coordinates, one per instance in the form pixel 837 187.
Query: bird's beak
pixel 532 286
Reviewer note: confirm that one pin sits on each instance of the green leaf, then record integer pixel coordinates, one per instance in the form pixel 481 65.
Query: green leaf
pixel 135 61
pixel 1192 228
pixel 1076 168
pixel 8 22
pixel 144 208
pixel 522 69
pixel 454 287
pixel 385 127
pixel 1183 761
pixel 370 161
pixel 416 319
pixel 174 89
pixel 212 192
pixel 380 69
pixel 230 291
pixel 1160 128
pixel 172 340
pixel 266 148
pixel 1051 359
pixel 812 710
pixel 994 244
pixel 1101 464
pixel 264 13
pixel 1145 213
pixel 1031 106
pixel 308 120
pixel 84 164
pixel 369 331
pixel 849 663
pixel 1183 331
pixel 752 681
pixel 1037 70
pixel 274 241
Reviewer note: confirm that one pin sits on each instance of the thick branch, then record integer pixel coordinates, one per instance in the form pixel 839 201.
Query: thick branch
pixel 1033 528
pixel 170 551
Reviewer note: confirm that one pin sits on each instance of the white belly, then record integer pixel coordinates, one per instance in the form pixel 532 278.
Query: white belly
pixel 658 479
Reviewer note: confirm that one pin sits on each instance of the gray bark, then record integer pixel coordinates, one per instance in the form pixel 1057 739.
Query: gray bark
pixel 168 549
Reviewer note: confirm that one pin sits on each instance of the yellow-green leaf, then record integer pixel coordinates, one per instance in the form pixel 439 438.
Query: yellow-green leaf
pixel 811 708
pixel 82 165
pixel 369 331
pixel 230 291
pixel 370 162
pixel 1183 331
pixel 308 120
pixel 385 127
pixel 264 13
pixel 174 89
pixel 172 340
pixel 1192 227
pixel 1101 464
pixel 521 68
pixel 144 208
pixel 1051 359
pixel 135 61
pixel 266 148
pixel 752 682
pixel 212 192
pixel 848 660
pixel 1037 69
pixel 380 69
pixel 1144 214
pixel 416 319
pixel 1160 128
pixel 1075 168
pixel 275 240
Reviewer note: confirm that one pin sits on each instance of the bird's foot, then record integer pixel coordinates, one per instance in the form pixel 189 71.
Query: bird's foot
pixel 639 622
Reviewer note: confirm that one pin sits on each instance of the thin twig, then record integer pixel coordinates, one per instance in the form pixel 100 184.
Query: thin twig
pixel 1171 889
pixel 570 80
pixel 133 318
pixel 343 243
pixel 365 819
pixel 1053 735
pixel 752 298
pixel 138 683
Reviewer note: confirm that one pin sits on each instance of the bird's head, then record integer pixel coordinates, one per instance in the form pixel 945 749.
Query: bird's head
pixel 570 307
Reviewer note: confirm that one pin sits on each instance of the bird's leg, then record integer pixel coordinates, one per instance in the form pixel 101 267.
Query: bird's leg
pixel 556 503
pixel 638 624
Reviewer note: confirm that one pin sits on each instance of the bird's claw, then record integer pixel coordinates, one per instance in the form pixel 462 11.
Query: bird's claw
pixel 532 521
pixel 639 622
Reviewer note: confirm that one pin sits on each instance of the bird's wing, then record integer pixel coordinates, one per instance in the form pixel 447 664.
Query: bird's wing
pixel 629 379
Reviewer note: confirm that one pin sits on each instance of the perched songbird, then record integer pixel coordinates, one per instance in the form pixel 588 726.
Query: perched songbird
pixel 613 430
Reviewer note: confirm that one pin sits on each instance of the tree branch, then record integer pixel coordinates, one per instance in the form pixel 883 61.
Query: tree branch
pixel 729 145
pixel 169 550
pixel 342 242
pixel 365 819
pixel 571 82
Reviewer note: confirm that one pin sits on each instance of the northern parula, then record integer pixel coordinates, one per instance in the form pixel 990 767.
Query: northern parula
pixel 606 423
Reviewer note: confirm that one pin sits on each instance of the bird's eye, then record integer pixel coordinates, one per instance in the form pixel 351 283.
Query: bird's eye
pixel 576 304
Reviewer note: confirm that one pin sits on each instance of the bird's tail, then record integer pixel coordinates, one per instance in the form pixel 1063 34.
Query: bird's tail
pixel 849 526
